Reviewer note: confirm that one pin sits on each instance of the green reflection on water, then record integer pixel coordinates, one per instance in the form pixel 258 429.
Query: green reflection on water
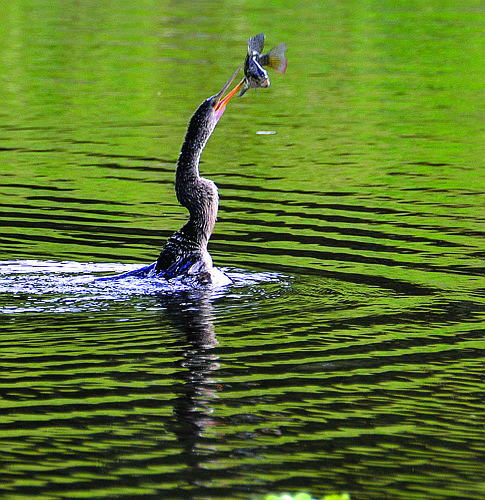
pixel 375 171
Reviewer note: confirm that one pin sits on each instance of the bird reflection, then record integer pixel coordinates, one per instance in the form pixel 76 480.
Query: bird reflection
pixel 191 313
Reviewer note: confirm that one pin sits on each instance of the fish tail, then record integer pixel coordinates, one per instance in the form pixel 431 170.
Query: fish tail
pixel 275 58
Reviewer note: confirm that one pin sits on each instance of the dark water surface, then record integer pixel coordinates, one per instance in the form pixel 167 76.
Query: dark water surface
pixel 349 354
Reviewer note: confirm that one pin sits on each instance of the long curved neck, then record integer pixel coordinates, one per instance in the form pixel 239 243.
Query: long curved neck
pixel 188 162
pixel 195 193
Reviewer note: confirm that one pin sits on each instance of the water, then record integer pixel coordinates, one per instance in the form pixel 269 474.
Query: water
pixel 349 353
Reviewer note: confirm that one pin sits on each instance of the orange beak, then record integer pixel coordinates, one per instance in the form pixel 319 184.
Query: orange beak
pixel 222 102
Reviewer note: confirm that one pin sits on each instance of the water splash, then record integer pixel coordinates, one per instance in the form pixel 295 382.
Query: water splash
pixel 32 286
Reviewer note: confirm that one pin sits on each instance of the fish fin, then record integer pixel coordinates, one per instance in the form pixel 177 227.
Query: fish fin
pixel 275 58
pixel 243 90
pixel 256 43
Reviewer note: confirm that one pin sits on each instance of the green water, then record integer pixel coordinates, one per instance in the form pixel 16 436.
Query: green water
pixel 349 354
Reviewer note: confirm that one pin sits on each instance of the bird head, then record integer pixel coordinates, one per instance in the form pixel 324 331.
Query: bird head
pixel 218 102
pixel 204 120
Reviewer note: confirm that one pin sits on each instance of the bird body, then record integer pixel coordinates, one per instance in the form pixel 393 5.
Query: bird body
pixel 185 255
pixel 185 252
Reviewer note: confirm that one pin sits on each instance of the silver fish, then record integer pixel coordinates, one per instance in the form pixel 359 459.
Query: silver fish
pixel 255 76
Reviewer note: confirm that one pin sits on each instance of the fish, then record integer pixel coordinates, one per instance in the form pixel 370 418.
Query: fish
pixel 255 76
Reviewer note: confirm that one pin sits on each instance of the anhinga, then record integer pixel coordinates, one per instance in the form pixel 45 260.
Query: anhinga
pixel 185 252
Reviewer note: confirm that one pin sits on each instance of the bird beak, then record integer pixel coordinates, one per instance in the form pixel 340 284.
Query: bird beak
pixel 221 102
